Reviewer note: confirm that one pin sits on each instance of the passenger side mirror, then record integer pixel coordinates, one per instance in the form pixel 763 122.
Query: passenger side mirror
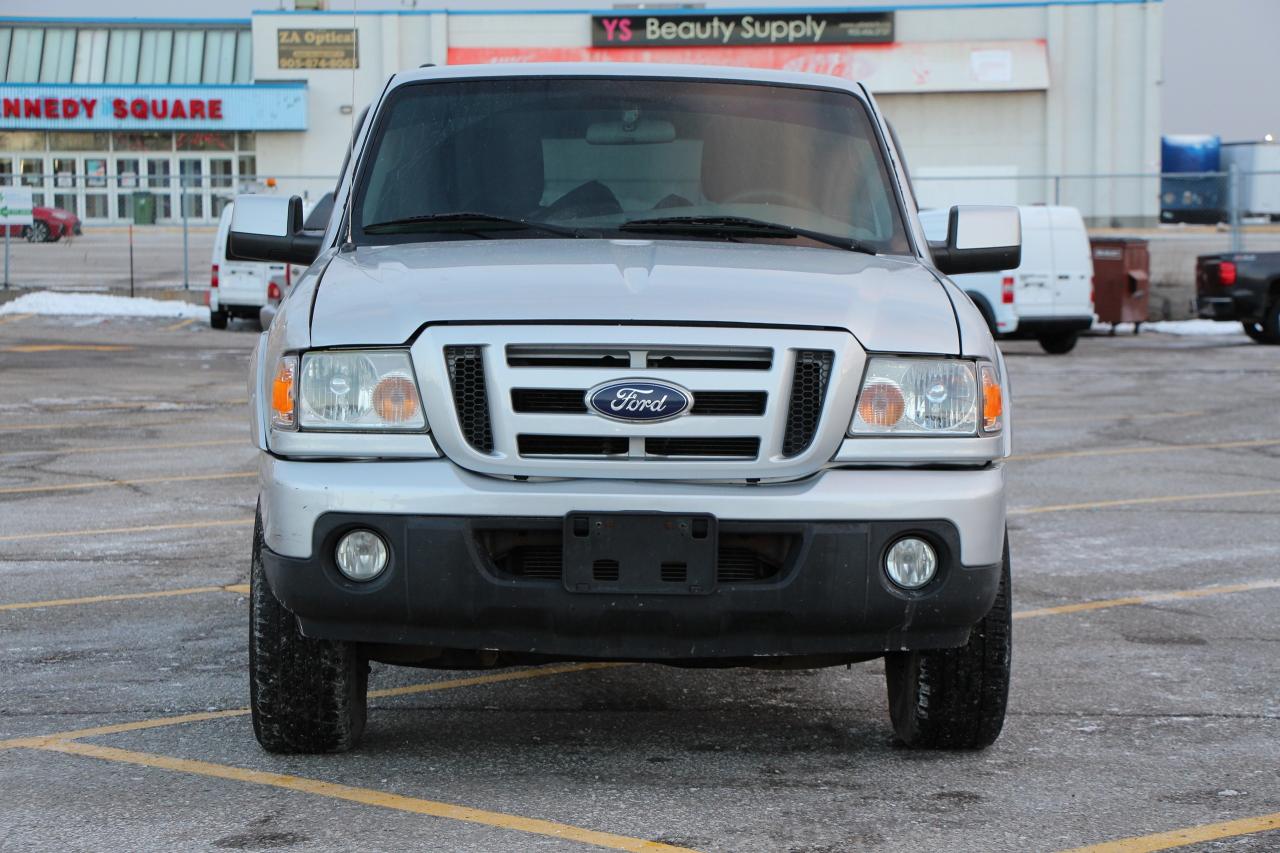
pixel 980 238
pixel 269 228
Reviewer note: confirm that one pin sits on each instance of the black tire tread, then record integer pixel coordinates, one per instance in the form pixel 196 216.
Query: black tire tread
pixel 955 698
pixel 306 696
pixel 1059 343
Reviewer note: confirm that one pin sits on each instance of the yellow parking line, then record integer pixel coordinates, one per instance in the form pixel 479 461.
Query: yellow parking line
pixel 494 678
pixel 201 716
pixel 1183 837
pixel 1162 499
pixel 1202 592
pixel 120 728
pixel 124 596
pixel 141 481
pixel 145 528
pixel 181 324
pixel 364 796
pixel 65 348
pixel 126 448
pixel 1123 451
pixel 13 318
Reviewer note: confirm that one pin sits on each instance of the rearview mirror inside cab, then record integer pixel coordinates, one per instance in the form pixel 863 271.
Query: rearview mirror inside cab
pixel 980 238
pixel 269 228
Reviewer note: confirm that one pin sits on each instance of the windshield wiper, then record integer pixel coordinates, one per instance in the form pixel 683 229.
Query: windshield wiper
pixel 740 226
pixel 477 223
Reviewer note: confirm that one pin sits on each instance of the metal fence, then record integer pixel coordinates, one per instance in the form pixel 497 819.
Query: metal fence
pixel 1181 214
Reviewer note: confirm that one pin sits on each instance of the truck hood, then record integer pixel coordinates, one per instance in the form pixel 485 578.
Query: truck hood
pixel 383 294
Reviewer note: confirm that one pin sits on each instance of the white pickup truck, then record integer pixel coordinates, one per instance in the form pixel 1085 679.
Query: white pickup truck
pixel 643 363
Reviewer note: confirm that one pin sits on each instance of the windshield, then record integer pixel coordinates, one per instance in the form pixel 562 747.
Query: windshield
pixel 586 157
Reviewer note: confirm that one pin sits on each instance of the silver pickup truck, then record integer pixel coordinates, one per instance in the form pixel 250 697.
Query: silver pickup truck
pixel 628 363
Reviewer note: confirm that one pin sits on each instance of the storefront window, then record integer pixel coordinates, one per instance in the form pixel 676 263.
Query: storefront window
pixel 78 141
pixel 95 206
pixel 22 140
pixel 142 141
pixel 95 170
pixel 205 141
pixel 32 172
pixel 6 172
pixel 246 140
pixel 248 169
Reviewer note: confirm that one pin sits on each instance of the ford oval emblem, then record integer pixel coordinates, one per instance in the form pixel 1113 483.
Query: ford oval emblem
pixel 639 400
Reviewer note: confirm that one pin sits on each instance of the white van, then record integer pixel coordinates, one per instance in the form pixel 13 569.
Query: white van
pixel 240 288
pixel 1049 297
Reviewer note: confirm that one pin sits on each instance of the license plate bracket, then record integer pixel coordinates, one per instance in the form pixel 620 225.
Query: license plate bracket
pixel 640 553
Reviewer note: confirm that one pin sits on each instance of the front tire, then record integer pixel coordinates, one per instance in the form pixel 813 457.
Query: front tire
pixel 955 698
pixel 1059 343
pixel 306 696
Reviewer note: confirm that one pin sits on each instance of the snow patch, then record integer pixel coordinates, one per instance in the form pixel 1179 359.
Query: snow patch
pixel 101 305
pixel 1185 327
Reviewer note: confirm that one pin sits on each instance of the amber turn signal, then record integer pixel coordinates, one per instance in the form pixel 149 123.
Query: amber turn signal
pixel 282 393
pixel 992 400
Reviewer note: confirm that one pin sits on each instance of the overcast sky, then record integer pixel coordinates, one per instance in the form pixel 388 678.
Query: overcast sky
pixel 1219 55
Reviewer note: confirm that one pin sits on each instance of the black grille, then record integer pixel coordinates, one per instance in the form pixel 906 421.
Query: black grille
pixel 808 390
pixel 466 375
pixel 711 359
pixel 537 356
pixel 572 445
pixel 729 403
pixel 548 401
pixel 573 401
pixel 605 570
pixel 737 447
pixel 536 562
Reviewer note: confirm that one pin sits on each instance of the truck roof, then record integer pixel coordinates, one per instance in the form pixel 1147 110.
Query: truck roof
pixel 628 69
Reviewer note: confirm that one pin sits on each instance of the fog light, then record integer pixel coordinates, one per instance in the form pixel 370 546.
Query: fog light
pixel 911 563
pixel 361 555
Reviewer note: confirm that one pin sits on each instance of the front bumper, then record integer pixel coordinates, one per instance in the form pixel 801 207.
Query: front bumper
pixel 447 587
pixel 1035 326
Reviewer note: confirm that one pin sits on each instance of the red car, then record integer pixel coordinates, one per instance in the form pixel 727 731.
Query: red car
pixel 48 225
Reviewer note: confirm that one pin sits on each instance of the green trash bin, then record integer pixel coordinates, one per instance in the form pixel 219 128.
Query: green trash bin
pixel 144 208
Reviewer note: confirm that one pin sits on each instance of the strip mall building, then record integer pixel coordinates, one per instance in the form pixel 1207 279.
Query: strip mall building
pixel 993 101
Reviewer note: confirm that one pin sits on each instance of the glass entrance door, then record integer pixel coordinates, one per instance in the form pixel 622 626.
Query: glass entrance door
pixel 158 181
pixel 64 184
pixel 126 184
pixel 194 191
pixel 222 184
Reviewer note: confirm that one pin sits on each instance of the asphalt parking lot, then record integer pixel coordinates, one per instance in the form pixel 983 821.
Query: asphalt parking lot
pixel 1144 517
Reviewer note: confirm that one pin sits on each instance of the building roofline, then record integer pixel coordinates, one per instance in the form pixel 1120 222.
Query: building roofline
pixel 134 21
pixel 734 10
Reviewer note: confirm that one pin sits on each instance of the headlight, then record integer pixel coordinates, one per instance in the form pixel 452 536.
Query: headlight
pixel 920 396
pixel 355 390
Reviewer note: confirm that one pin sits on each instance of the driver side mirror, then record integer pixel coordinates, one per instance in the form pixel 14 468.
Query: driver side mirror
pixel 269 228
pixel 980 238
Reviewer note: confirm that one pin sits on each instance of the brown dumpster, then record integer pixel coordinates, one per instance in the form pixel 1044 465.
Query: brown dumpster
pixel 1121 280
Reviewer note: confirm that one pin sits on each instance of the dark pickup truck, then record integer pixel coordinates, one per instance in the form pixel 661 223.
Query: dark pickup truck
pixel 1242 286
